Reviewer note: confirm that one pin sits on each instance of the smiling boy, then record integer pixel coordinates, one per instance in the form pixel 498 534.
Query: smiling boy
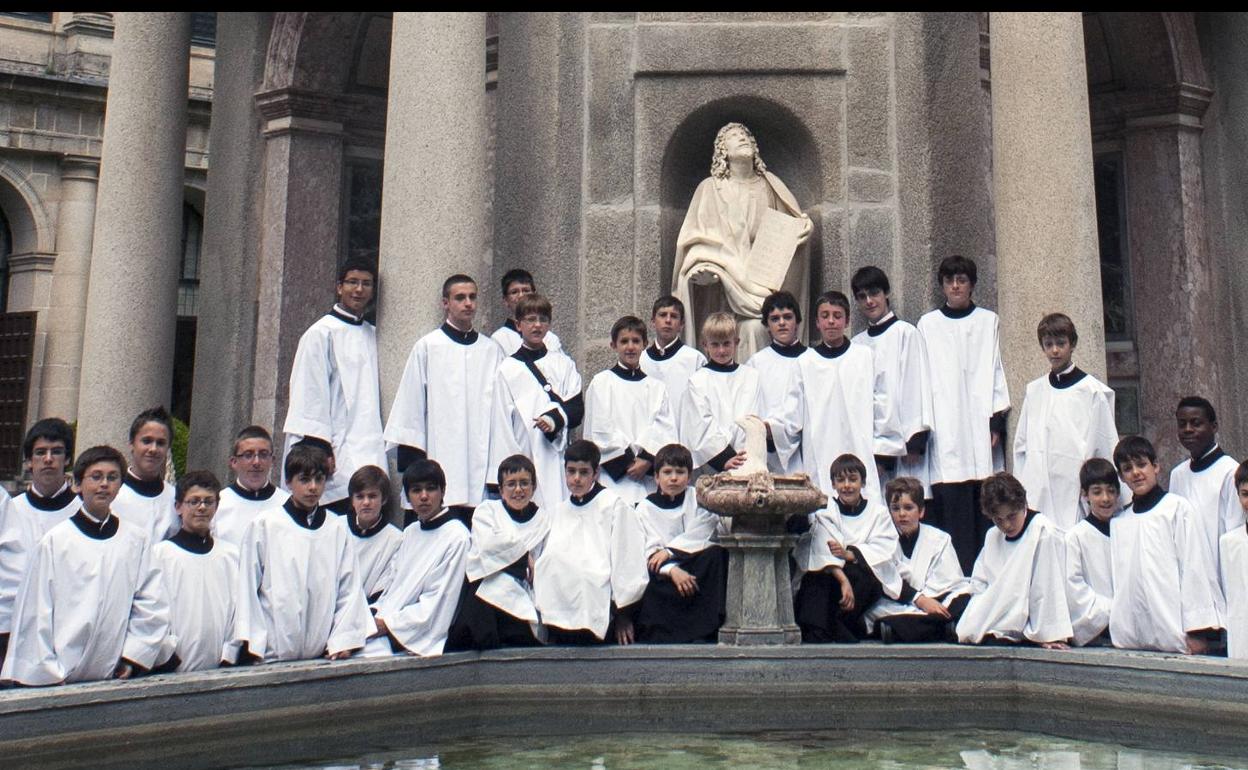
pixel 1089 577
pixel 253 490
pixel 1207 480
pixel 668 358
pixel 627 415
pixel 144 498
pixel 1067 418
pixel 777 363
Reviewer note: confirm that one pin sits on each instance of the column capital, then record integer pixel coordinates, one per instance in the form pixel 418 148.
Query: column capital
pixel 84 167
pixel 291 109
pixel 93 24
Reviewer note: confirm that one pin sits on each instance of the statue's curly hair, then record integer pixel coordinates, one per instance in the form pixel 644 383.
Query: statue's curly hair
pixel 719 160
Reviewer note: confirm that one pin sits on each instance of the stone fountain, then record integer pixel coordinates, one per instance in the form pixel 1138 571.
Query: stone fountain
pixel 758 503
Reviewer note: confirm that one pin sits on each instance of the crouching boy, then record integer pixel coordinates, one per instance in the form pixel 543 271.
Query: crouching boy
pixel 90 606
pixel 592 569
pixel 298 592
pixel 935 592
pixel 1089 582
pixel 374 539
pixel 684 598
pixel 1018 585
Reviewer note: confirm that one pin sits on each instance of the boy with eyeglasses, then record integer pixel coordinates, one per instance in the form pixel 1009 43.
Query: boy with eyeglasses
pixel 251 462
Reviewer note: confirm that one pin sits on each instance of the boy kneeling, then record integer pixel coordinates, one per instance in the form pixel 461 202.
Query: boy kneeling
pixel 684 600
pixel 1018 583
pixel 592 568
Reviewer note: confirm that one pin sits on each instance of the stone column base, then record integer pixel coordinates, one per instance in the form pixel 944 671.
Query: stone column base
pixel 760 599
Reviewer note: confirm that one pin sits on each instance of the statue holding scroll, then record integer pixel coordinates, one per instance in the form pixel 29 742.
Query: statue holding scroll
pixel 743 238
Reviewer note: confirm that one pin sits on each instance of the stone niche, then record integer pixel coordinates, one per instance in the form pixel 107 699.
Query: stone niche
pixel 816 90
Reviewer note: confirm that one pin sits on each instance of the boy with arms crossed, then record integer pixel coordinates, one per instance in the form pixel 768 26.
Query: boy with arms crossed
pixel 251 462
pixel 668 358
pixel 297 590
pixel 627 415
pixel 90 606
pixel 592 570
pixel 686 592
pixel 1018 584
pixel 1067 418
pixel 1166 594
pixel 969 405
pixel 197 574
pixel 1089 580
pixel 777 363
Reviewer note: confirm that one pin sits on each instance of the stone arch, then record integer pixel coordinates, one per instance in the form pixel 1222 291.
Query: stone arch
pixel 29 222
pixel 785 142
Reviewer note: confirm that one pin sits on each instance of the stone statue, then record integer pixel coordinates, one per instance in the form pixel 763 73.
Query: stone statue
pixel 709 273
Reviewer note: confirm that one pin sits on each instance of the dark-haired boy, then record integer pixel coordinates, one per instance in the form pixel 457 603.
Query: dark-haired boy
pixel 1089 579
pixel 1207 480
pixel 496 606
pixel 1067 418
pixel 1018 586
pixel 415 611
pixel 47 448
pixel 837 404
pixel 628 415
pixel 145 499
pixel 935 592
pixel 90 606
pixel 517 284
pixel 778 368
pixel 1233 550
pixel 374 539
pixel 1166 594
pixel 592 569
pixel 969 406
pixel 856 535
pixel 298 594
pixel 901 363
pixel 335 388
pixel 537 402
pixel 442 407
pixel 668 358
pixel 197 574
pixel 253 490
pixel 684 599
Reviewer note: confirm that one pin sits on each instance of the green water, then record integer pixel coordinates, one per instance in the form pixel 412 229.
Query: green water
pixel 847 750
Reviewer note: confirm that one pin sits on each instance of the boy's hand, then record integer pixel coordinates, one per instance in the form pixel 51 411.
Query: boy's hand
pixel 341 655
pixel 931 606
pixel 624 633
pixel 839 551
pixel 637 471
pixel 382 628
pixel 658 559
pixel 1197 645
pixel 847 591
pixel 686 584
pixel 1055 645
pixel 528 575
pixel 123 670
pixel 996 439
pixel 736 462
pixel 544 424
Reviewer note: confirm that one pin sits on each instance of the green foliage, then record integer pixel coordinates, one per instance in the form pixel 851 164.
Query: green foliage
pixel 181 439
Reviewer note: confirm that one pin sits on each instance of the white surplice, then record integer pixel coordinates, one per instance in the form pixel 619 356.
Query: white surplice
pixel 1089 578
pixel 867 528
pixel 968 388
pixel 1066 419
pixel 335 396
pixel 717 396
pixel 498 540
pixel 628 416
pixel 1209 485
pixel 688 528
pixel 149 505
pixel 197 577
pixel 1019 587
pixel 442 407
pixel 593 559
pixel 931 569
pixel 778 370
pixel 673 366
pixel 374 551
pixel 238 506
pixel 508 338
pixel 1234 552
pixel 427 572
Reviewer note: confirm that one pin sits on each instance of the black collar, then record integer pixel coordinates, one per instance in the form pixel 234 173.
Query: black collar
pixel 463 338
pixel 660 500
pixel 723 368
pixel 949 312
pixel 258 495
pixel 1026 523
pixel 301 517
pixel 624 373
pixel 443 517
pixel 854 511
pixel 1100 526
pixel 363 533
pixel 587 497
pixel 1149 500
pixel 57 502
pixel 141 487
pixel 1206 461
pixel 1067 379
pixel 342 315
pixel 789 351
pixel 908 542
pixel 528 354
pixel 835 352
pixel 191 542
pixel 521 516
pixel 662 354
pixel 93 529
pixel 876 329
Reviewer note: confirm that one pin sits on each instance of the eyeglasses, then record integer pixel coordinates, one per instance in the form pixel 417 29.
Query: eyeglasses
pixel 263 454
pixel 517 484
pixel 356 283
pixel 199 502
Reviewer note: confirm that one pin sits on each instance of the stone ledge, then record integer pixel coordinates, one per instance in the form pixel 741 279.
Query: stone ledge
pixel 281 712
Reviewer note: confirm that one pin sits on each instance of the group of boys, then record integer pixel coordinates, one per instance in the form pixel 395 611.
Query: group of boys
pixel 516 534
